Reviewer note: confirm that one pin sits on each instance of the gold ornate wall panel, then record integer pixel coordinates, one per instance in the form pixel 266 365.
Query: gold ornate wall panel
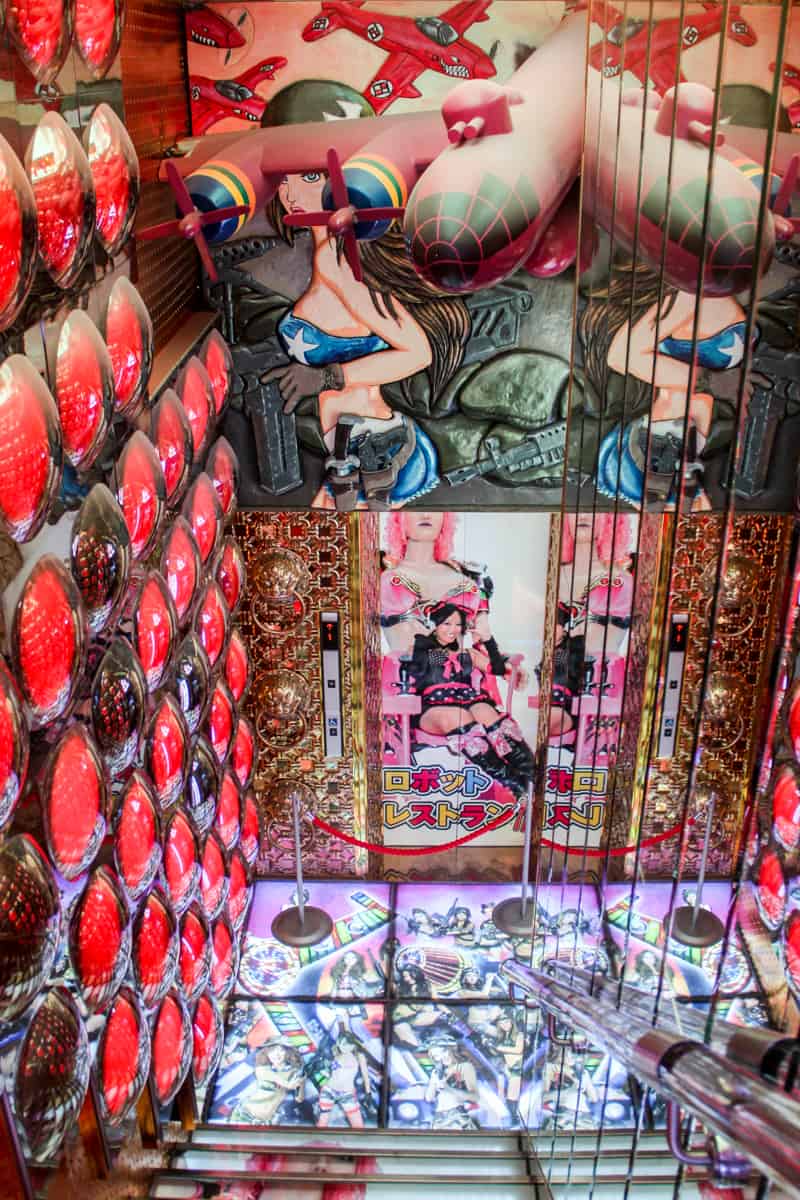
pixel 622 787
pixel 323 541
pixel 730 728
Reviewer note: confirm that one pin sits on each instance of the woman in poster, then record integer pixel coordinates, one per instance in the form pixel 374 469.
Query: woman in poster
pixel 452 1088
pixel 452 706
pixel 348 1068
pixel 278 1078
pixel 420 570
pixel 595 600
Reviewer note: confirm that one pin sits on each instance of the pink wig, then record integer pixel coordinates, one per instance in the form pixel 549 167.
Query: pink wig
pixel 396 540
pixel 621 544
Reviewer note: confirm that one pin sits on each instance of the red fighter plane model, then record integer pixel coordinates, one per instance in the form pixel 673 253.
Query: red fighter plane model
pixel 413 44
pixel 205 27
pixel 628 43
pixel 791 79
pixel 215 99
pixel 488 184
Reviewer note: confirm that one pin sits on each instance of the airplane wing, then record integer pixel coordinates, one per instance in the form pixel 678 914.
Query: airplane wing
pixel 394 80
pixel 467 13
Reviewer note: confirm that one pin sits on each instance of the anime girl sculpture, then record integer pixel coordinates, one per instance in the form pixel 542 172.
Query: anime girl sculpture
pixel 640 357
pixel 347 339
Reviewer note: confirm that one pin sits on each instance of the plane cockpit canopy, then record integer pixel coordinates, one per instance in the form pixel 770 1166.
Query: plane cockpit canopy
pixel 437 30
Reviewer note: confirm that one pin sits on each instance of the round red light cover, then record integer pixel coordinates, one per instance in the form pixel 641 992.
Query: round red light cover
pixel 202 511
pixel 172 1047
pixel 100 939
pixel 237 666
pixel 181 864
pixel 181 566
pixel 74 798
pixel 84 391
pixel 30 449
pixel 155 948
pixel 123 1057
pixel 114 166
pixel 166 749
pixel 137 834
pixel 195 953
pixel 48 641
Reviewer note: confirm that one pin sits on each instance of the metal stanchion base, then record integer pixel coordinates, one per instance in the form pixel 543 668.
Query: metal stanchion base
pixel 703 930
pixel 509 917
pixel 315 927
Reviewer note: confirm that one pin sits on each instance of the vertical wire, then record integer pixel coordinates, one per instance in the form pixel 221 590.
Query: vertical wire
pixel 388 1013
pixel 549 868
pixel 769 148
pixel 611 799
pixel 577 510
pixel 582 1055
pixel 727 529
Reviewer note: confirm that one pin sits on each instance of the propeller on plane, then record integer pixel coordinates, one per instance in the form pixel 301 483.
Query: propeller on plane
pixel 344 217
pixel 191 222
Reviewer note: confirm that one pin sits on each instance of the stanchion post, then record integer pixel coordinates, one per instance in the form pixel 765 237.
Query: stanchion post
pixel 692 924
pixel 512 916
pixel 302 924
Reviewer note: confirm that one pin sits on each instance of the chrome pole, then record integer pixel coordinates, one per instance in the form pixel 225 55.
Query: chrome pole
pixel 513 916
pixel 692 924
pixel 302 924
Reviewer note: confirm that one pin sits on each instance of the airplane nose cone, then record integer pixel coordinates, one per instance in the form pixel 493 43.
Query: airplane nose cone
pixel 485 70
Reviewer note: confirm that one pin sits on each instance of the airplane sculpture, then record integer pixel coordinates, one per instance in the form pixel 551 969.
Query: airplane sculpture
pixel 486 185
pixel 214 100
pixel 790 77
pixel 208 28
pixel 651 51
pixel 414 45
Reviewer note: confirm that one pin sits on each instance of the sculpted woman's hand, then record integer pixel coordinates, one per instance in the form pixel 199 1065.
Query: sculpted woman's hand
pixel 299 380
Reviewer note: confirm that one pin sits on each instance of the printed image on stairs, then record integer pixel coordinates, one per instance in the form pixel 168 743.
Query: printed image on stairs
pixel 402 1017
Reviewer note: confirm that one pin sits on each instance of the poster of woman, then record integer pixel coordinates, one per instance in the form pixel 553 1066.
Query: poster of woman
pixel 462 620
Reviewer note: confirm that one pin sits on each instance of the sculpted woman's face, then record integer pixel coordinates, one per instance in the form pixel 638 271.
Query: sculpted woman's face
pixel 302 193
pixel 422 527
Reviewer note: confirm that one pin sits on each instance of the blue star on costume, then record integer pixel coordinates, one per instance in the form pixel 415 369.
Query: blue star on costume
pixel 306 343
pixel 718 352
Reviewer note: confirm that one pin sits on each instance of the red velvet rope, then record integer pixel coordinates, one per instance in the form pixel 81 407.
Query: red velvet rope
pixel 469 837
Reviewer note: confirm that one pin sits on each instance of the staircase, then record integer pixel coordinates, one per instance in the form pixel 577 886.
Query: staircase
pixel 316 1164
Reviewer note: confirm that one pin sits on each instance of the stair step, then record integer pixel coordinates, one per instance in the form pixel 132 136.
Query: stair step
pixel 401 1161
pixel 372 1141
pixel 653 1189
pixel 489 1165
pixel 287 1187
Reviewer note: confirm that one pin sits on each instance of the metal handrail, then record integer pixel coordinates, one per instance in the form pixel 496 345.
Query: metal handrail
pixel 758 1123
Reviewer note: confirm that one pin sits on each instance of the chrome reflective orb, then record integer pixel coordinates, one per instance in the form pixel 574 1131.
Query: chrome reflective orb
pixel 52 1074
pixel 30 923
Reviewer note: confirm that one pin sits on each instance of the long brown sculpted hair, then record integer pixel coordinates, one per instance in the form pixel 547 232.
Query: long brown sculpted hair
pixel 633 290
pixel 389 275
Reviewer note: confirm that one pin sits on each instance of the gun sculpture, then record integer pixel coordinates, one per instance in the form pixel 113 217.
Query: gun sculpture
pixel 546 447
pixel 274 431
